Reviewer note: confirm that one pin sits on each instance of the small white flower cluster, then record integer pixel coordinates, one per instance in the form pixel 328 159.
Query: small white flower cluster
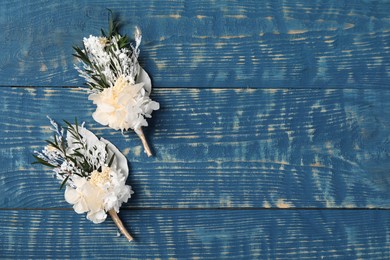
pixel 120 88
pixel 93 169
pixel 67 167
pixel 52 154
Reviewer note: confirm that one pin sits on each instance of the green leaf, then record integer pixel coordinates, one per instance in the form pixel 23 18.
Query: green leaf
pixel 53 144
pixel 55 139
pixel 123 42
pixel 72 159
pixel 76 124
pixel 64 181
pixel 81 55
pixel 103 33
pixel 113 24
pixel 41 161
pixel 111 160
pixel 68 124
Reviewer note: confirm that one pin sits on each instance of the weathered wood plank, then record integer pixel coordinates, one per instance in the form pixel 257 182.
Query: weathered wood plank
pixel 218 148
pixel 261 44
pixel 200 234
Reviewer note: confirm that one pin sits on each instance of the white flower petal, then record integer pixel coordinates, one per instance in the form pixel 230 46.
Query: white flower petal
pixel 110 201
pixel 97 217
pixel 101 118
pixel 106 108
pixel 81 206
pixel 94 97
pixel 71 195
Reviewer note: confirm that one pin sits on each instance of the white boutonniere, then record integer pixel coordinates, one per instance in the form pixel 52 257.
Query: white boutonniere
pixel 93 171
pixel 119 86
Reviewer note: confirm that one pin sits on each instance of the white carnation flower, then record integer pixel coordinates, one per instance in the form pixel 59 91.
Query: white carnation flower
pixel 87 197
pixel 123 106
pixel 100 193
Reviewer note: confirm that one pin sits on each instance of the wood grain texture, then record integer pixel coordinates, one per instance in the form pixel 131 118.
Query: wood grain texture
pixel 218 148
pixel 275 118
pixel 260 44
pixel 199 234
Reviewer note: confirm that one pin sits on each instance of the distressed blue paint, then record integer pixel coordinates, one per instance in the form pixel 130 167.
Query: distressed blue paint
pixel 261 44
pixel 211 234
pixel 312 132
pixel 219 148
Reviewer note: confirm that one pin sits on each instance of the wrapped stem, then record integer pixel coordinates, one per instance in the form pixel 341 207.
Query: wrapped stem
pixel 119 224
pixel 144 142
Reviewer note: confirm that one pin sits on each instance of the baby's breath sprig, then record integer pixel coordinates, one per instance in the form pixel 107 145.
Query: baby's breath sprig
pixel 118 85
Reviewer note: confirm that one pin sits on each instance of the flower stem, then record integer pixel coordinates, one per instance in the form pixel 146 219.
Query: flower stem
pixel 119 224
pixel 144 142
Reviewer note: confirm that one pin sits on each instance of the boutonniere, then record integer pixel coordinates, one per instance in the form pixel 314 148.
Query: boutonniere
pixel 92 170
pixel 119 86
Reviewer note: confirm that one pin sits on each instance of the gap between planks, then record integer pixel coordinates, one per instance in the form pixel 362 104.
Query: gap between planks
pixel 212 208
pixel 206 88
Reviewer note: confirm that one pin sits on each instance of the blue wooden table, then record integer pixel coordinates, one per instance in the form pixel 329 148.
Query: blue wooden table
pixel 272 141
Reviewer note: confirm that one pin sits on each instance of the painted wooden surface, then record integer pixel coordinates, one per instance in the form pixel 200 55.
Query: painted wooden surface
pixel 251 43
pixel 272 140
pixel 220 148
pixel 200 234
